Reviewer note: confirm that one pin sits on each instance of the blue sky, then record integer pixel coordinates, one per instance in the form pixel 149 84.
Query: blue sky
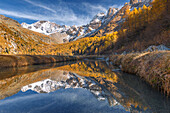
pixel 68 12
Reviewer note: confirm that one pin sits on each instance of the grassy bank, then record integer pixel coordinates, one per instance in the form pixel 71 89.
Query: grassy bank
pixel 153 67
pixel 24 60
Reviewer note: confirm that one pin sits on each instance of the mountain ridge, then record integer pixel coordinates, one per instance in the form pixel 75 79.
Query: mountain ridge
pixel 100 25
pixel 70 32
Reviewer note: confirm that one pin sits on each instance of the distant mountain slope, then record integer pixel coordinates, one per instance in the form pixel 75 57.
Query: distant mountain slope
pixel 15 39
pixel 100 25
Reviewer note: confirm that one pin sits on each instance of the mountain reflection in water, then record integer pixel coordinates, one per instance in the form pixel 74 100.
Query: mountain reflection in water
pixel 85 86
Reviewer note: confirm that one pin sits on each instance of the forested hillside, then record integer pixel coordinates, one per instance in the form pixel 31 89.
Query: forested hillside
pixel 144 27
pixel 141 28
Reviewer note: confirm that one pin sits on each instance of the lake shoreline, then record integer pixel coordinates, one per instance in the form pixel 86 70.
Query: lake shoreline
pixel 153 67
pixel 7 61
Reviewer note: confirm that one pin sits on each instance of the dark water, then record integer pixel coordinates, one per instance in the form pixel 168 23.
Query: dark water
pixel 77 87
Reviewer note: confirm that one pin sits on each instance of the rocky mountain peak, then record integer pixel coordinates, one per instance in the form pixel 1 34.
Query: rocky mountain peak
pixel 133 1
pixel 42 21
pixel 139 1
pixel 111 12
pixel 97 18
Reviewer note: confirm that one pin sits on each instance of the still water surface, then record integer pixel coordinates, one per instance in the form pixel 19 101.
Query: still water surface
pixel 77 87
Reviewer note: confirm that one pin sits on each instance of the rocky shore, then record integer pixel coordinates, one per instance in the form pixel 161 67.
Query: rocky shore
pixel 153 67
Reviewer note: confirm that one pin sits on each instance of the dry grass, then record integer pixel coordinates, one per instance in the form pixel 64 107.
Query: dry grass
pixel 154 67
pixel 24 60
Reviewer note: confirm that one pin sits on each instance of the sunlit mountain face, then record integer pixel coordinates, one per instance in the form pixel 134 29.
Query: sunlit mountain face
pixel 62 12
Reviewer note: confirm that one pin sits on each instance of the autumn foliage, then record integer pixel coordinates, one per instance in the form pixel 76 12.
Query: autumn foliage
pixel 144 27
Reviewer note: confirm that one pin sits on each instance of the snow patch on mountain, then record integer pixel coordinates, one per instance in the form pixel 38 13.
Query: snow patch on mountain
pixel 99 17
pixel 45 27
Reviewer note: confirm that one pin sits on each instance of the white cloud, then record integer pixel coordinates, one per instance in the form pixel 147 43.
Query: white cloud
pixel 40 5
pixel 59 13
pixel 68 17
pixel 94 9
pixel 19 15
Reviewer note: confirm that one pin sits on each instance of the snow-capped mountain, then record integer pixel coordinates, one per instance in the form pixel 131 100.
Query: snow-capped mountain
pixel 45 27
pixel 100 25
pixel 69 33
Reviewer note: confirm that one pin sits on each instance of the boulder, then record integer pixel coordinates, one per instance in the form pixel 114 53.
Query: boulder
pixel 157 48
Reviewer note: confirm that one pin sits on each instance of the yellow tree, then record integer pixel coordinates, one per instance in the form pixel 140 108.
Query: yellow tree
pixel 144 10
pixel 135 11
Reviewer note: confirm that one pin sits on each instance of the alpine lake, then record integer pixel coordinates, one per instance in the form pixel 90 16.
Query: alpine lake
pixel 88 86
